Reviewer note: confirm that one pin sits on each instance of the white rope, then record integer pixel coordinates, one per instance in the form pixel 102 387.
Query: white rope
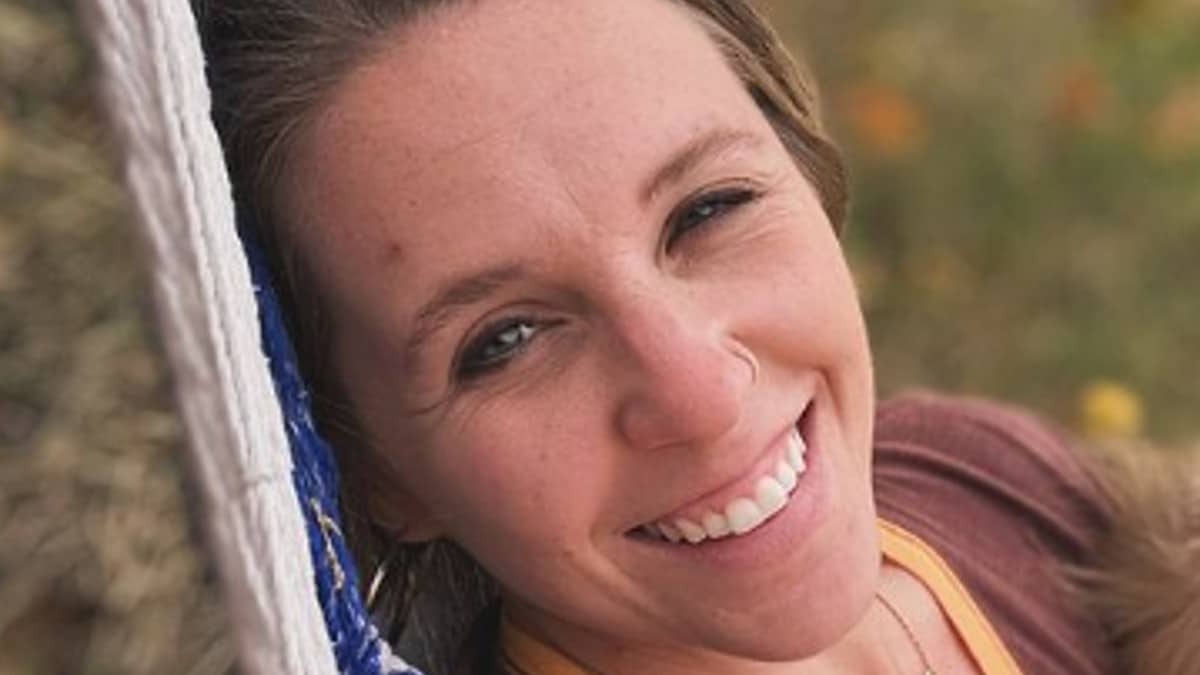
pixel 153 82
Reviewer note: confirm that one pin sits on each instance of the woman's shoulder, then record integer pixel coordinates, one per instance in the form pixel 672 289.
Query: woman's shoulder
pixel 994 455
pixel 1010 503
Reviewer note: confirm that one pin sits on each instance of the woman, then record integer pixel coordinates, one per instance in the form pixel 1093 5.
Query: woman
pixel 567 282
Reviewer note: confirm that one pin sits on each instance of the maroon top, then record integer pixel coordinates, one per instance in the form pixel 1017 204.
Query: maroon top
pixel 1007 502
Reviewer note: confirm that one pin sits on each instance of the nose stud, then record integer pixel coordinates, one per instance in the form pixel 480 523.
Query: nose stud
pixel 741 352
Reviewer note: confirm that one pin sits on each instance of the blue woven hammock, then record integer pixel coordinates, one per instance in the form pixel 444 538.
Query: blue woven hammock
pixel 152 75
pixel 357 646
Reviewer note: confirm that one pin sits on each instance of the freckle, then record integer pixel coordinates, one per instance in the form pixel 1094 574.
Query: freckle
pixel 393 254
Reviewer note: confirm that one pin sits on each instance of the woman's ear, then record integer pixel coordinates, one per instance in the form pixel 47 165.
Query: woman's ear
pixel 373 488
pixel 389 504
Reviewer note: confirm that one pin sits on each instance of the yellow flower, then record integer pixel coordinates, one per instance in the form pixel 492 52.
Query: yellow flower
pixel 1110 409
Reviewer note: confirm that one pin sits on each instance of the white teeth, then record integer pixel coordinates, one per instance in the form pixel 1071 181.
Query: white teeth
pixel 786 476
pixel 716 525
pixel 795 451
pixel 800 465
pixel 769 494
pixel 745 513
pixel 691 531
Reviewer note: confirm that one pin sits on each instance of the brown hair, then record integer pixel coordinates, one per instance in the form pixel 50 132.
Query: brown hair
pixel 272 66
pixel 1142 581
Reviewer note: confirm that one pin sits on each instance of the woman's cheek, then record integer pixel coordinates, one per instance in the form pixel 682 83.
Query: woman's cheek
pixel 513 476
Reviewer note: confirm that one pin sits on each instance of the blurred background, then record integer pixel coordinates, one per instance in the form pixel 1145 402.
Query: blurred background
pixel 1026 225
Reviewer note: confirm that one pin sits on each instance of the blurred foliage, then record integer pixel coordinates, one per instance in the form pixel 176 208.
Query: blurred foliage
pixel 1026 211
pixel 1025 225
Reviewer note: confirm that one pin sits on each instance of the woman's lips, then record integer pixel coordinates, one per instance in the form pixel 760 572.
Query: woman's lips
pixel 742 514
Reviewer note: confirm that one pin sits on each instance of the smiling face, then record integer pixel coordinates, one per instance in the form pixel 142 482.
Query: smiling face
pixel 585 301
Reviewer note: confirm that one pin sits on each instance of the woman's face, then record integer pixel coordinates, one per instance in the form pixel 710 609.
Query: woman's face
pixel 580 290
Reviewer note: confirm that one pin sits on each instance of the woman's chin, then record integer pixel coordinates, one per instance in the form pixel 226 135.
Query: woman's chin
pixel 790 588
pixel 798 612
pixel 809 620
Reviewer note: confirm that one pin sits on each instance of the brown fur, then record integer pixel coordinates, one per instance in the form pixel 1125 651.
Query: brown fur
pixel 1146 583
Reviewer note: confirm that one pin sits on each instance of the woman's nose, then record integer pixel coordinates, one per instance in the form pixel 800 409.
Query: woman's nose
pixel 684 379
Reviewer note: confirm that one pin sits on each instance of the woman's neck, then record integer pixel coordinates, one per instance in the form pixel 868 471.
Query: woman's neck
pixel 881 642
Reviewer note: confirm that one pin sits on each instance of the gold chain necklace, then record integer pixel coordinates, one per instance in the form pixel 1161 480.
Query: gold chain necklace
pixel 927 669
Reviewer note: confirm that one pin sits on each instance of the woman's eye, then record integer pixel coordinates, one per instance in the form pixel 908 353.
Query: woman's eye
pixel 496 347
pixel 705 208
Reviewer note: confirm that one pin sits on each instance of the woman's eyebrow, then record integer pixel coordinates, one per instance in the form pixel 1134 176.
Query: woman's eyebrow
pixel 453 296
pixel 458 293
pixel 684 160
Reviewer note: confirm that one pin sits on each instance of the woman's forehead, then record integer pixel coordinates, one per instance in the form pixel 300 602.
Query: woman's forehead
pixel 498 107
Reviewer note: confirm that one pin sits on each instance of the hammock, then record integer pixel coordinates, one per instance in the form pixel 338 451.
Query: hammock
pixel 267 479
